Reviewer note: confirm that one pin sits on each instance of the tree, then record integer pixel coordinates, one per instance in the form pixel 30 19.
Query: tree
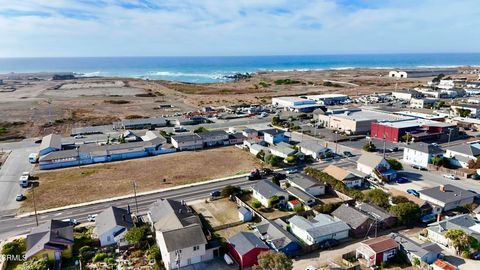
pixel 276 121
pixel 41 264
pixel 459 239
pixel 438 160
pixel 153 252
pixel 16 247
pixel 369 147
pixel 407 213
pixel 399 199
pixel 261 155
pixel 136 234
pixel 273 200
pixel 256 204
pixel 395 164
pixel 271 260
pixel 416 261
pixel 377 197
pixel 463 112
pixel 229 190
pixel 200 130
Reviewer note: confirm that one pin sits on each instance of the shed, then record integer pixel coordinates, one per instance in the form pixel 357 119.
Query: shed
pixel 244 214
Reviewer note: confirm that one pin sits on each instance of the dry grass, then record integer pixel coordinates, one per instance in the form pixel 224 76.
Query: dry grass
pixel 76 185
pixel 218 212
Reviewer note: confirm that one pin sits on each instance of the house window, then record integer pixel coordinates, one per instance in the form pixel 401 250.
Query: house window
pixel 196 248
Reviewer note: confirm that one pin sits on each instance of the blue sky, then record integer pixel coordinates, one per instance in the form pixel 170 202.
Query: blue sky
pixel 36 28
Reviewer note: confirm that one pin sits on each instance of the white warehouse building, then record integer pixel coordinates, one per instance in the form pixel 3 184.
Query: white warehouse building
pixel 295 104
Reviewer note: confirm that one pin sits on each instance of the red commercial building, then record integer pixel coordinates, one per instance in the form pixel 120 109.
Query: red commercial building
pixel 418 130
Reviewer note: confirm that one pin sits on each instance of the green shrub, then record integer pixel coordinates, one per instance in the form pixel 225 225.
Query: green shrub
pixel 153 252
pixel 100 257
pixel 16 247
pixel 256 204
pixel 137 254
pixel 395 164
pixel 298 208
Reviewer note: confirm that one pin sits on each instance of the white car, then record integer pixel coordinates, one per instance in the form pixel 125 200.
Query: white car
pixel 291 171
pixel 91 218
pixel 71 221
pixel 310 267
pixel 450 176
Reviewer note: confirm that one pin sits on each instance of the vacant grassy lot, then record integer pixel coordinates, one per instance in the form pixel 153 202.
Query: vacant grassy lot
pixel 76 185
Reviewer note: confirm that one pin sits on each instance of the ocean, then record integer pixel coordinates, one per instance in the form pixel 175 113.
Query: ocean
pixel 214 69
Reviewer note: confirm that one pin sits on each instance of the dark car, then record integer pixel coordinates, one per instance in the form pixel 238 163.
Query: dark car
pixel 413 192
pixel 401 180
pixel 348 154
pixel 266 171
pixel 278 176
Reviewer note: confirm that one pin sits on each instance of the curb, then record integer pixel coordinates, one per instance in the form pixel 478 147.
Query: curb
pixel 130 196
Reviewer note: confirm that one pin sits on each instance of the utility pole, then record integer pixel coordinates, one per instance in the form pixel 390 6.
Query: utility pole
pixel 135 196
pixel 384 143
pixel 449 135
pixel 336 142
pixel 34 204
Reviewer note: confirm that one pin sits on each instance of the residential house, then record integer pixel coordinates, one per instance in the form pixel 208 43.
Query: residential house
pixel 252 135
pixel 214 138
pixel 348 178
pixel 50 143
pixel 282 150
pixel 112 224
pixel 420 154
pixel 476 212
pixel 264 190
pixel 244 214
pixel 313 149
pixel 187 142
pixel 447 197
pixel 377 250
pixel 322 227
pixel 236 138
pixel 256 148
pixel 244 247
pixel 140 123
pixel 51 240
pixel 359 222
pixel 306 183
pixel 437 230
pixel 301 195
pixel 277 237
pixel 383 219
pixel 426 252
pixel 274 136
pixel 376 166
pixel 179 234
pixel 461 154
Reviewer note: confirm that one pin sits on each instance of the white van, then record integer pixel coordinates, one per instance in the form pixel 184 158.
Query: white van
pixel 33 158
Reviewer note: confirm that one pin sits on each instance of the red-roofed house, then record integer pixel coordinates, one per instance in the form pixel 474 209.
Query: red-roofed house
pixel 440 264
pixel 377 250
pixel 292 203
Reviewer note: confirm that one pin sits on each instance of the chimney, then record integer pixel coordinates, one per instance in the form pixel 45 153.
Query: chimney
pixel 124 218
pixel 442 188
pixel 179 211
pixel 128 209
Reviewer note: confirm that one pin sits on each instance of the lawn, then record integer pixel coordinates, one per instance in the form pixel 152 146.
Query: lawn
pixel 82 184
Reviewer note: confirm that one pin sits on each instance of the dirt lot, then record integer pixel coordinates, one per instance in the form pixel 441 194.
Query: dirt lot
pixel 76 185
pixel 218 212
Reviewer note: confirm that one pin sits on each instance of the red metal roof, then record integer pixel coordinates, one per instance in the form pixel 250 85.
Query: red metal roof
pixel 381 243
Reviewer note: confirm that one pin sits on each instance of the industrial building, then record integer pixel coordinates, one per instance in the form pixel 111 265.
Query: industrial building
pixel 354 120
pixel 296 104
pixel 406 94
pixel 330 99
pixel 417 130
pixel 473 110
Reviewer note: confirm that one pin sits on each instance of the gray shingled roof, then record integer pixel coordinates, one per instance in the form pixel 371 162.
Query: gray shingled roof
pixel 212 134
pixel 353 217
pixel 320 225
pixel 55 234
pixel 425 148
pixel 300 194
pixel 112 217
pixel 273 131
pixel 462 222
pixel 311 145
pixel 304 181
pixel 189 236
pixel 274 233
pixel 415 248
pixel 169 214
pixel 267 188
pixel 187 138
pixel 243 242
pixel 465 148
pixel 370 159
pixel 374 211
pixel 51 140
pixel 451 194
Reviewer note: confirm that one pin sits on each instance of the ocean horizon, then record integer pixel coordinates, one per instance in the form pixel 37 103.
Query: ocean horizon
pixel 208 69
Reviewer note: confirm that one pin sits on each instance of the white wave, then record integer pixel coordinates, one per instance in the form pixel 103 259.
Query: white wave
pixel 215 76
pixel 90 74
pixel 343 68
pixel 439 66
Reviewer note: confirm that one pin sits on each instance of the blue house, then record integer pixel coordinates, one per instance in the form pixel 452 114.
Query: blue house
pixel 275 235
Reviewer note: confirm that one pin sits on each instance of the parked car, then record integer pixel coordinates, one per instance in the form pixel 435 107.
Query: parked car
pixel 348 154
pixel 71 221
pixel 266 171
pixel 79 137
pixel 311 267
pixel 20 197
pixel 214 195
pixel 401 180
pixel 254 175
pixel 428 218
pixel 278 176
pixel 291 171
pixel 450 176
pixel 413 192
pixel 418 167
pixel 91 218
pixel 476 255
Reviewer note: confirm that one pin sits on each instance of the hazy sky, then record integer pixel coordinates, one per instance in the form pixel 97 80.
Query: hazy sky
pixel 236 27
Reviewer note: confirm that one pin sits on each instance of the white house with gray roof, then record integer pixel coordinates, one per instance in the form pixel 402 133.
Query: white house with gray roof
pixel 437 230
pixel 179 234
pixel 313 149
pixel 420 154
pixel 265 189
pixel 306 184
pixel 426 252
pixel 282 150
pixel 461 154
pixel 322 227
pixel 376 166
pixel 447 197
pixel 111 225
